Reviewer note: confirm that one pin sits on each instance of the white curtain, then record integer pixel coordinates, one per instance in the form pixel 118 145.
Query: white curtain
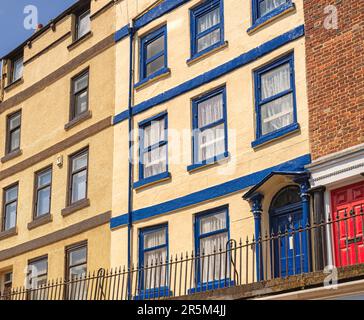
pixel 155 160
pixel 211 142
pixel 276 81
pixel 214 266
pixel 154 261
pixel 204 23
pixel 267 6
pixel 277 113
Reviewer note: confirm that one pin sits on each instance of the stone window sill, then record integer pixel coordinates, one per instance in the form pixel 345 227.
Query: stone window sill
pixel 78 41
pixel 37 222
pixel 8 233
pixel 75 207
pixel 79 119
pixel 14 84
pixel 200 56
pixel 11 155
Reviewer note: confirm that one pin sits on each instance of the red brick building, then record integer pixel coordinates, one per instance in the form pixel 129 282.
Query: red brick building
pixel 335 79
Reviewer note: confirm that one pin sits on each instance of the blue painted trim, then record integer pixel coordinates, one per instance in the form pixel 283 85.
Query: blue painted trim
pixel 258 19
pixel 154 293
pixel 276 134
pixel 202 53
pixel 143 181
pixel 197 130
pixel 142 250
pixel 151 180
pixel 214 192
pixel 158 11
pixel 212 285
pixel 259 102
pixel 122 33
pixel 208 162
pixel 217 72
pixel 157 74
pixel 195 14
pixel 144 61
pixel 120 117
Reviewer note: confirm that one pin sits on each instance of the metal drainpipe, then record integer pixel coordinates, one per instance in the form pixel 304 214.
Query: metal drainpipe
pixel 130 174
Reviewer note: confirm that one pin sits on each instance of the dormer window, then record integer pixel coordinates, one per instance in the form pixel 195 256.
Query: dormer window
pixel 16 69
pixel 83 24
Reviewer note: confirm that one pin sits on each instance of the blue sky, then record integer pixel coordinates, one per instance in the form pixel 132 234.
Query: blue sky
pixel 12 19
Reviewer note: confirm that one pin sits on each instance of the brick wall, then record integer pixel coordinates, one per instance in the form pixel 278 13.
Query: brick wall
pixel 335 76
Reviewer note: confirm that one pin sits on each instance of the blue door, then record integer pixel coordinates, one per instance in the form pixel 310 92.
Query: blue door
pixel 290 245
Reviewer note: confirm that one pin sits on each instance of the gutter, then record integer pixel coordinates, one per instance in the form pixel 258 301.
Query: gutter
pixel 131 162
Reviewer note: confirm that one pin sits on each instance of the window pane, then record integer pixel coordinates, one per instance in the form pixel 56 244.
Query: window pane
pixel 267 6
pixel 155 238
pixel 213 222
pixel 14 121
pixel 213 267
pixel 81 83
pixel 84 24
pixel 77 272
pixel 11 194
pixel 276 81
pixel 277 114
pixel 78 256
pixel 18 69
pixel 79 186
pixel 155 47
pixel 208 20
pixel 44 178
pixel 154 133
pixel 15 140
pixel 155 277
pixel 81 102
pixel 79 162
pixel 155 161
pixel 155 65
pixel 10 216
pixel 211 142
pixel 43 201
pixel 210 111
pixel 39 267
pixel 208 40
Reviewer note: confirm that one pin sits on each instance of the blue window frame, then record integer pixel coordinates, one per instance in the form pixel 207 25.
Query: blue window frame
pixel 266 9
pixel 275 100
pixel 212 235
pixel 207 27
pixel 153 54
pixel 209 137
pixel 153 150
pixel 153 255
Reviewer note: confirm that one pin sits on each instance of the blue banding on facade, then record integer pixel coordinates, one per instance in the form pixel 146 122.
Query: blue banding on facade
pixel 217 72
pixel 258 21
pixel 220 190
pixel 122 33
pixel 158 11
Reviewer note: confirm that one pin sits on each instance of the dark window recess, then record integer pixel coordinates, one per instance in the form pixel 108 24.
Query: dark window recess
pixel 13 132
pixel 83 24
pixel 79 103
pixel 78 177
pixel 16 71
pixel 43 186
pixel 76 263
pixel 10 207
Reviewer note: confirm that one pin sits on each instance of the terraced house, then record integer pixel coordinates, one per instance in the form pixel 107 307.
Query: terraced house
pixel 184 152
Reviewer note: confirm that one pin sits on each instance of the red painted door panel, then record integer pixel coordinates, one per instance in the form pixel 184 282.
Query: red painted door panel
pixel 348 208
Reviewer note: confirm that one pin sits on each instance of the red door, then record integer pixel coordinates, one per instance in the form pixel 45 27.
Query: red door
pixel 348 217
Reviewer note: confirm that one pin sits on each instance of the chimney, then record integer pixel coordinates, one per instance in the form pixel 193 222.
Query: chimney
pixel 39 26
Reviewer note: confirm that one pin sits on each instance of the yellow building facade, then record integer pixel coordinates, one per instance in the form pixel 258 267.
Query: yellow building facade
pixel 177 199
pixel 64 94
pixel 212 95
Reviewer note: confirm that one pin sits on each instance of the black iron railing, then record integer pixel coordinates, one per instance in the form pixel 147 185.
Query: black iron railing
pixel 277 254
